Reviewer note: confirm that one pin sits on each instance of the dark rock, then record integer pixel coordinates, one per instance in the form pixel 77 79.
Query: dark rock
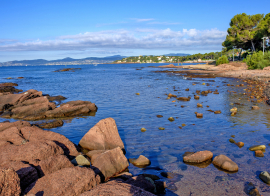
pixel 265 177
pixel 68 181
pixel 143 182
pixel 103 136
pixel 49 124
pixel 9 182
pixel 251 190
pixel 183 98
pixel 159 116
pixel 68 69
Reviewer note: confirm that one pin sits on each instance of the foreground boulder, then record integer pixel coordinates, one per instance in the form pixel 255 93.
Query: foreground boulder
pixel 116 188
pixel 198 157
pixel 9 182
pixel 32 105
pixel 103 136
pixel 27 174
pixel 225 163
pixel 110 163
pixel 66 182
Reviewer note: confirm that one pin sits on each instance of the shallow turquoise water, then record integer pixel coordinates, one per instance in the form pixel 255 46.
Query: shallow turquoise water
pixel 112 88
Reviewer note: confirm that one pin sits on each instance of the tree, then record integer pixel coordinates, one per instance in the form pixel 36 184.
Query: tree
pixel 243 32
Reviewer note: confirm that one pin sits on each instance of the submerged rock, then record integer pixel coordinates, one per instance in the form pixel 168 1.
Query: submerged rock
pixel 141 161
pixel 265 177
pixel 171 119
pixel 257 147
pixel 198 157
pixel 50 124
pixel 161 128
pixel 225 163
pixel 183 98
pixel 143 129
pixel 255 107
pixel 259 153
pixel 251 190
pixel 240 144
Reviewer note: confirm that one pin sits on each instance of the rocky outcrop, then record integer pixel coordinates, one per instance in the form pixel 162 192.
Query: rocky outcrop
pixel 9 182
pixel 49 124
pixel 68 69
pixel 103 136
pixel 110 163
pixel 117 188
pixel 68 181
pixel 32 105
pixel 8 88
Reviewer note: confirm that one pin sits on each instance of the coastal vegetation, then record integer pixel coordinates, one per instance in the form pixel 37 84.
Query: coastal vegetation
pixel 247 40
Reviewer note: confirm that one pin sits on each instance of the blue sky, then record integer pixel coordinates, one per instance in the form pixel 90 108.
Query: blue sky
pixel 50 29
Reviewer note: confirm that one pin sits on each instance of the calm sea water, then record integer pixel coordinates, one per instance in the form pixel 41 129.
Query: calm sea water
pixel 113 89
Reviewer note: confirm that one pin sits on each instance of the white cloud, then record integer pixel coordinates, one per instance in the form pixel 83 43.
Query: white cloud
pixel 191 39
pixel 142 19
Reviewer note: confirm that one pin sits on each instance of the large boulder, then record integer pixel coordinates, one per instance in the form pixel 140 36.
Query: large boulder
pixel 24 132
pixel 116 188
pixel 68 181
pixel 29 151
pixel 103 136
pixel 225 163
pixel 9 182
pixel 110 163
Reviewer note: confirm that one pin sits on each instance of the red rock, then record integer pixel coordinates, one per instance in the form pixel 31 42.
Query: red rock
pixel 116 188
pixel 240 144
pixel 37 134
pixel 68 181
pixel 110 163
pixel 26 172
pixel 94 154
pixel 29 151
pixel 225 163
pixel 53 164
pixel 50 124
pixel 183 98
pixel 18 124
pixel 9 182
pixel 259 153
pixel 198 157
pixel 199 115
pixel 103 136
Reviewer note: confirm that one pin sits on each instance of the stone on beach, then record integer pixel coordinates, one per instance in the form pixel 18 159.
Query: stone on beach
pixel 225 163
pixel 171 119
pixel 198 157
pixel 110 163
pixel 217 112
pixel 183 98
pixel 196 97
pixel 199 105
pixel 143 129
pixel 171 95
pixel 103 136
pixel 141 161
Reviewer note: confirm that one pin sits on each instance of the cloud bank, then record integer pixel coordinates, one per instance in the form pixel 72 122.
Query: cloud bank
pixel 186 39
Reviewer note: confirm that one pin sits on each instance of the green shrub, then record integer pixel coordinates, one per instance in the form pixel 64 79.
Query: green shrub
pixel 257 60
pixel 222 60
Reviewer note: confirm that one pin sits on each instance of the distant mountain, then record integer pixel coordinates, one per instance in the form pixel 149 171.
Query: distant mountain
pixel 65 61
pixel 176 54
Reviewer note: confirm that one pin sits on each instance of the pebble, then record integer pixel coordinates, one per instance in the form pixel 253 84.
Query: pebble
pixel 240 144
pixel 197 157
pixel 217 112
pixel 143 129
pixel 265 177
pixel 231 140
pixel 171 119
pixel 199 105
pixel 137 93
pixel 257 147
pixel 255 107
pixel 161 128
pixel 199 115
pixel 259 153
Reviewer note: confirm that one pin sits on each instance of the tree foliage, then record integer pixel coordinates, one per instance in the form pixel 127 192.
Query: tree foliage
pixel 243 32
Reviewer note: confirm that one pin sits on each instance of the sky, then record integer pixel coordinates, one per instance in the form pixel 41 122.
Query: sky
pixel 56 29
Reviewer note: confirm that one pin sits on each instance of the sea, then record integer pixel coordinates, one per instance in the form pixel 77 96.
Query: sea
pixel 113 88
